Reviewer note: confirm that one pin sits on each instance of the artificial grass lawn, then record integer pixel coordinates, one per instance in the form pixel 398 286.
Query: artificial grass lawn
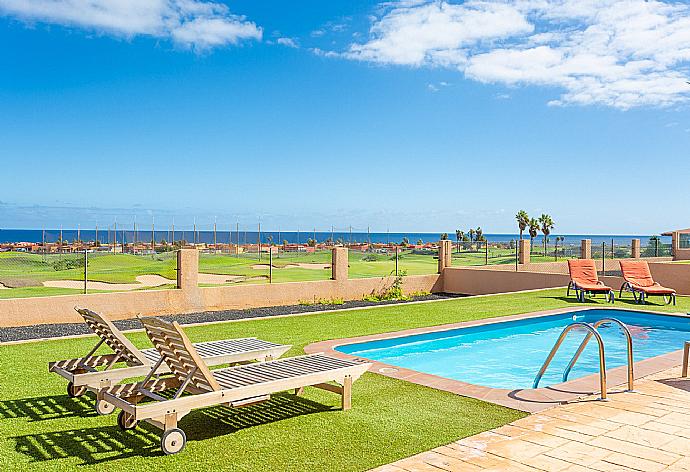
pixel 391 419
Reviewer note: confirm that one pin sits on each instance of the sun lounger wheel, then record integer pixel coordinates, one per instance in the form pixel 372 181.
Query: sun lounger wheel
pixel 173 441
pixel 74 392
pixel 104 408
pixel 126 421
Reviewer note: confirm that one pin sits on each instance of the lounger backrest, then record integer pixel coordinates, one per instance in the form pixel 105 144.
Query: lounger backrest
pixel 583 270
pixel 637 273
pixel 179 353
pixel 113 337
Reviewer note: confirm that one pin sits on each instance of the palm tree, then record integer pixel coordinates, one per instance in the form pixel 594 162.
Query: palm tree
pixel 533 230
pixel 472 233
pixel 559 239
pixel 444 236
pixel 479 233
pixel 546 227
pixel 459 235
pixel 522 220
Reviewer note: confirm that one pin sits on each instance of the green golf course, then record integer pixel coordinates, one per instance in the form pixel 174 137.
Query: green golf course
pixel 27 275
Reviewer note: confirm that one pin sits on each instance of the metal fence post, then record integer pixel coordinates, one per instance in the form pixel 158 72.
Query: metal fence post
pixel 603 258
pixel 396 260
pixel 86 270
pixel 270 265
pixel 516 255
pixel 656 247
pixel 486 252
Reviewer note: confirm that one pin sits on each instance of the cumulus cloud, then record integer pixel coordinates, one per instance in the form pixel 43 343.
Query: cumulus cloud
pixel 619 53
pixel 289 42
pixel 194 23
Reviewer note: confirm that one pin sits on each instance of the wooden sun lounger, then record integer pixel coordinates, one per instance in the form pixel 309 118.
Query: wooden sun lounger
pixel 232 386
pixel 127 361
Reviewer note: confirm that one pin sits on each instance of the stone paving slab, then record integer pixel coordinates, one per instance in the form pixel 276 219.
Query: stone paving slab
pixel 647 430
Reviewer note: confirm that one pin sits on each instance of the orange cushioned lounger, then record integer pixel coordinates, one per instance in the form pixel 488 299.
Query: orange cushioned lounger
pixel 584 280
pixel 639 281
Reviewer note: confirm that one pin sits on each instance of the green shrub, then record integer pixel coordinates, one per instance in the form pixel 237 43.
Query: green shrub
pixel 392 292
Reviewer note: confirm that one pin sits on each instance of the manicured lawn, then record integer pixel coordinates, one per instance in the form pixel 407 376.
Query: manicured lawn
pixel 25 273
pixel 41 427
pixel 26 270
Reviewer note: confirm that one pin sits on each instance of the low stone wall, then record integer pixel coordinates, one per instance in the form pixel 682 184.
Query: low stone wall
pixel 122 305
pixel 676 276
pixel 495 279
pixel 561 267
pixel 483 281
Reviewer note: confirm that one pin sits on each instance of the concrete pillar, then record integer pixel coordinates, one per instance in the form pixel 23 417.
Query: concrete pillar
pixel 524 251
pixel 188 269
pixel 586 249
pixel 635 249
pixel 339 262
pixel 445 254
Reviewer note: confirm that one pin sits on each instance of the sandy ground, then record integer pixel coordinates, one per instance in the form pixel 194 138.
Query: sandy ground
pixel 300 265
pixel 2 287
pixel 219 279
pixel 143 281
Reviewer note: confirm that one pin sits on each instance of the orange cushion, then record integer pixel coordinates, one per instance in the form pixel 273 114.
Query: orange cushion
pixel 583 271
pixel 655 290
pixel 592 287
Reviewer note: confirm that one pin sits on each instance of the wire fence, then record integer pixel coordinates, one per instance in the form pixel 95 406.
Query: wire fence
pixel 263 265
pixel 24 274
pixel 56 270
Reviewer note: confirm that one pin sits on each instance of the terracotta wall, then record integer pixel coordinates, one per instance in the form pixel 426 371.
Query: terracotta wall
pixel 561 267
pixel 121 305
pixel 487 280
pixel 676 276
pixel 475 281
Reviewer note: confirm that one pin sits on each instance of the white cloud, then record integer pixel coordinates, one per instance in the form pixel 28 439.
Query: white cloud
pixel 289 42
pixel 437 32
pixel 619 53
pixel 195 23
pixel 322 53
pixel 437 86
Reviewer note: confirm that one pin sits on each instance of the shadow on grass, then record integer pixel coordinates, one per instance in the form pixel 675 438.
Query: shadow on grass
pixel 47 408
pixel 103 444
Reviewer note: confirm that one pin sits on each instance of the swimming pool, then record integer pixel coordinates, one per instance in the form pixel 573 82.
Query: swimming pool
pixel 508 354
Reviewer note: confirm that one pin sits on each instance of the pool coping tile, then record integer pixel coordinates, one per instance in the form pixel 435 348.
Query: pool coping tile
pixel 528 400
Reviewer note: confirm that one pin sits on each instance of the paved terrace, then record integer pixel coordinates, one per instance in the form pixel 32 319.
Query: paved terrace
pixel 645 431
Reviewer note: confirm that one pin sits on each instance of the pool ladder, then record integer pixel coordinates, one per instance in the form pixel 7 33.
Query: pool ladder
pixel 591 333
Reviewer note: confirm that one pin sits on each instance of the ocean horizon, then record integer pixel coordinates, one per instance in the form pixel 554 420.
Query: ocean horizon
pixel 292 237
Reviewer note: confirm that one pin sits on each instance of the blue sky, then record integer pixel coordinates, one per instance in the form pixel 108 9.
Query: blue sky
pixel 411 116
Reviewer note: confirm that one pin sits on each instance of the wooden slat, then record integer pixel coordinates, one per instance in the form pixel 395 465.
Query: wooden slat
pixel 112 336
pixel 280 369
pixel 179 353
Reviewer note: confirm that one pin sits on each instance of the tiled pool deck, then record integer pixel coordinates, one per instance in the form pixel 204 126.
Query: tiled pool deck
pixel 648 430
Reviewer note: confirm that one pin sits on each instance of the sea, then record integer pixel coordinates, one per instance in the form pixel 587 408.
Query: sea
pixel 292 237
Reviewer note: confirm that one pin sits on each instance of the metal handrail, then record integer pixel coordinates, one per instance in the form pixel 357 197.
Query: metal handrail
pixel 628 336
pixel 602 358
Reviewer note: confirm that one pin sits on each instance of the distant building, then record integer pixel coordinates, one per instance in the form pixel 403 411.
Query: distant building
pixel 680 243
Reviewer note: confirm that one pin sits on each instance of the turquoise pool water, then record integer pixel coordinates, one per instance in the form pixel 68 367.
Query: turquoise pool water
pixel 509 354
